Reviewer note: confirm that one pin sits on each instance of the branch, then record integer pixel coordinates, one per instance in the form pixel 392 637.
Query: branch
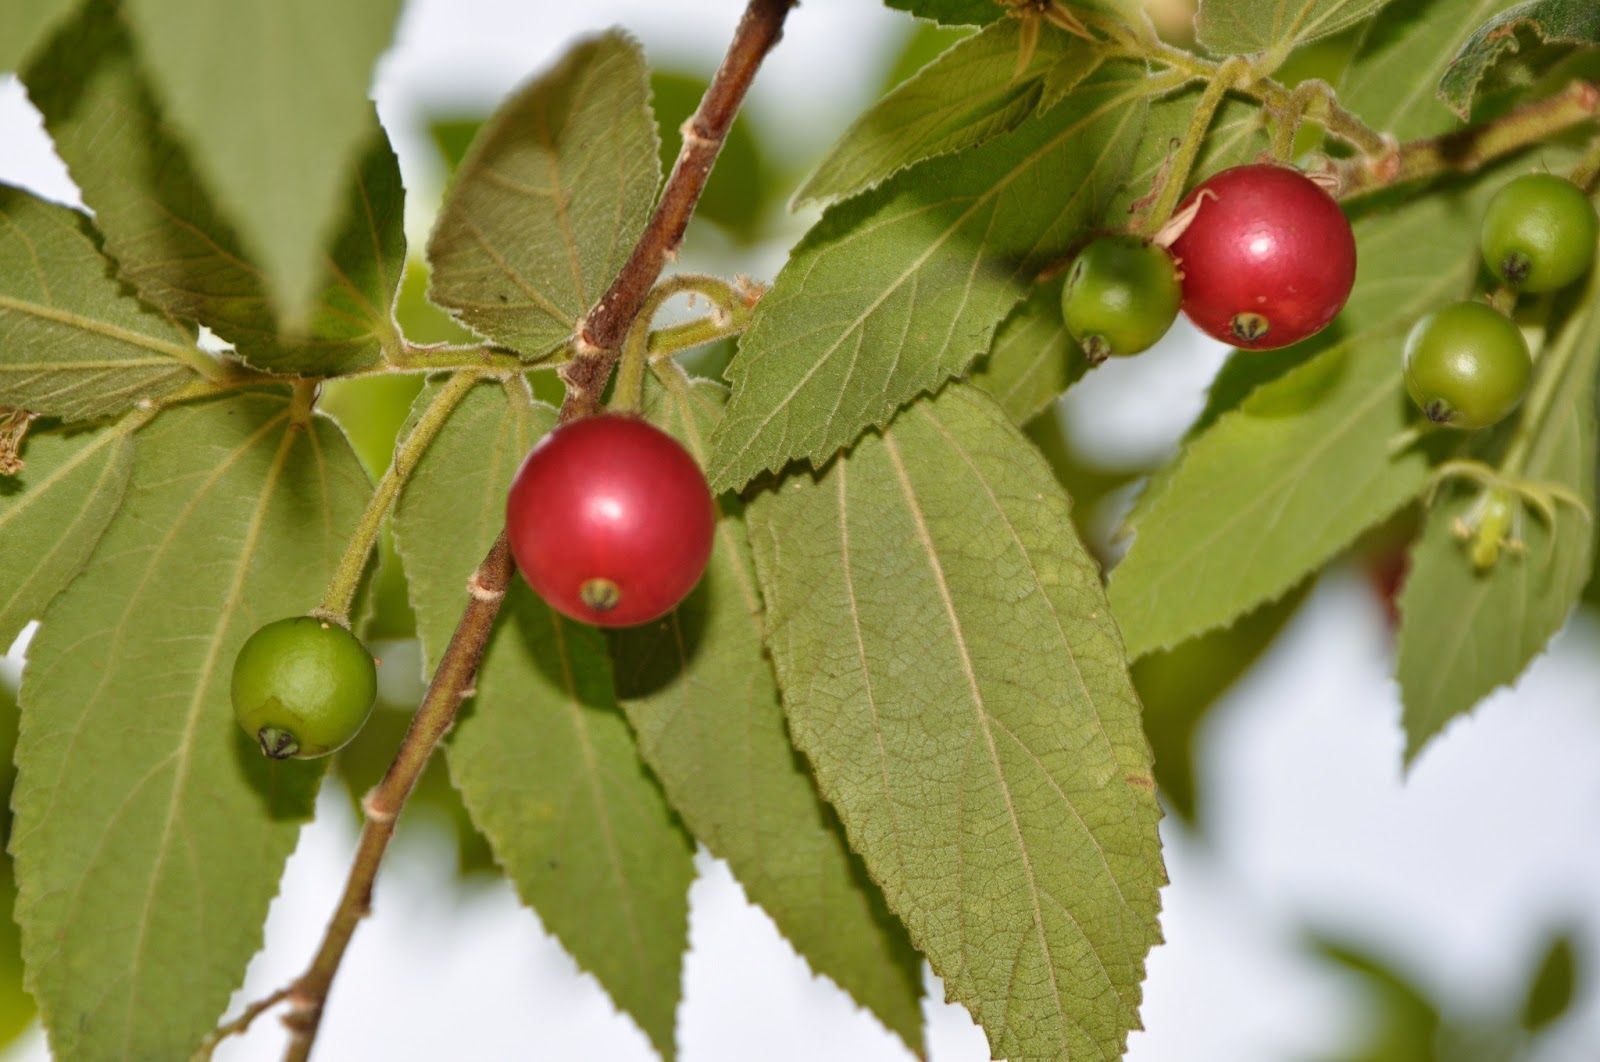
pixel 599 340
pixel 602 330
pixel 1466 150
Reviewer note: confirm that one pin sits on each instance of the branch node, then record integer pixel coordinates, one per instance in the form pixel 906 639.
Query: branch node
pixel 374 810
pixel 480 592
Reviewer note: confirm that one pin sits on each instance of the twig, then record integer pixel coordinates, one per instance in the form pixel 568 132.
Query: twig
pixel 601 332
pixel 1466 150
pixel 599 339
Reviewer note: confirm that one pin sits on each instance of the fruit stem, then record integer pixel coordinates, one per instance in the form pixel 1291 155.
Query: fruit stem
pixel 341 592
pixel 1177 173
pixel 726 300
pixel 1551 371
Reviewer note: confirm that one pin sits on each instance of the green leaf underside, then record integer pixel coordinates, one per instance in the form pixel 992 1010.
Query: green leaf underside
pixel 25 25
pixel 171 241
pixel 895 291
pixel 150 832
pixel 282 133
pixel 550 199
pixel 703 700
pixel 67 491
pixel 1277 486
pixel 1403 54
pixel 1240 27
pixel 542 756
pixel 73 344
pixel 949 667
pixel 1551 21
pixel 968 95
pixel 1033 359
pixel 1463 634
pixel 951 12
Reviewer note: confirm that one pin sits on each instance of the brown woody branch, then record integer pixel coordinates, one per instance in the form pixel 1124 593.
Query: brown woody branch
pixel 598 343
pixel 600 333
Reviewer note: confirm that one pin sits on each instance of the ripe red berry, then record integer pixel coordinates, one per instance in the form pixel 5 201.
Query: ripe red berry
pixel 610 520
pixel 1268 260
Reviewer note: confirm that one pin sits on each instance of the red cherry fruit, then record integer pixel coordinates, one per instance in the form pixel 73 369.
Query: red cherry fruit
pixel 1268 260
pixel 610 520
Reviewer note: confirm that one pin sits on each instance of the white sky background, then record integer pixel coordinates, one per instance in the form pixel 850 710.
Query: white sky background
pixel 1456 872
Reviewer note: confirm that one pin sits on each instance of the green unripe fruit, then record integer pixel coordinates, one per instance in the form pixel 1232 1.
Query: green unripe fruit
pixel 1121 297
pixel 1467 365
pixel 303 687
pixel 1539 233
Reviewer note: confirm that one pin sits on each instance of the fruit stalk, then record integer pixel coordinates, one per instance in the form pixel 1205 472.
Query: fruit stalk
pixel 598 343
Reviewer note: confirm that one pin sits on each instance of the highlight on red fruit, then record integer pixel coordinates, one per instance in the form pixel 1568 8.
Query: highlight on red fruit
pixel 610 521
pixel 1268 258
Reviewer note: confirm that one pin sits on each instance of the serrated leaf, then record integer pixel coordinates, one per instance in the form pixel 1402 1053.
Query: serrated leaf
pixel 1033 359
pixel 949 667
pixel 53 513
pixel 896 291
pixel 1278 485
pixel 543 757
pixel 1275 27
pixel 550 199
pixel 701 695
pixel 1551 21
pixel 73 344
pixel 968 95
pixel 1464 633
pixel 1402 56
pixel 150 832
pixel 175 245
pixel 26 24
pixel 281 133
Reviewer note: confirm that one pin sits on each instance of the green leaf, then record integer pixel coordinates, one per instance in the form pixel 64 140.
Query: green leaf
pixel 951 12
pixel 1279 484
pixel 896 291
pixel 1275 27
pixel 73 344
pixel 1033 359
pixel 17 1009
pixel 1463 633
pixel 53 513
pixel 702 698
pixel 543 757
pixel 173 243
pixel 150 832
pixel 550 199
pixel 968 95
pixel 1551 21
pixel 949 667
pixel 283 128
pixel 1553 988
pixel 1403 55
pixel 25 25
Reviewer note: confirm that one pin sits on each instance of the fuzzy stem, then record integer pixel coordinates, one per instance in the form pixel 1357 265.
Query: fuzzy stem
pixel 1177 175
pixel 1466 150
pixel 341 592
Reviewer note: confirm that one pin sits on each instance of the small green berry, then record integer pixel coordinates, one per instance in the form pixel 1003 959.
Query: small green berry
pixel 303 687
pixel 1467 365
pixel 1539 233
pixel 1121 297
